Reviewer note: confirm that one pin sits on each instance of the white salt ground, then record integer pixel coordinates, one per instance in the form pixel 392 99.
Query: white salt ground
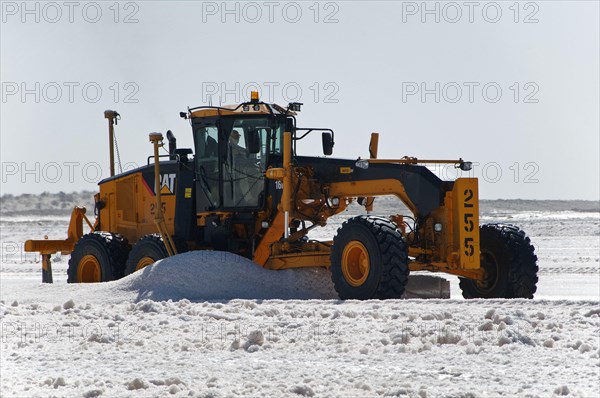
pixel 138 337
pixel 211 324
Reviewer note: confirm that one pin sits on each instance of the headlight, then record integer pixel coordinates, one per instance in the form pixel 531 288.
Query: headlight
pixel 362 164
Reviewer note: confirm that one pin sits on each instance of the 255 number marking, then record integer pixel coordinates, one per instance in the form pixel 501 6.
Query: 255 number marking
pixel 469 249
pixel 153 208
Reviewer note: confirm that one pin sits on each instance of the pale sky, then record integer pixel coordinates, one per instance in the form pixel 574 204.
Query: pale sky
pixel 513 87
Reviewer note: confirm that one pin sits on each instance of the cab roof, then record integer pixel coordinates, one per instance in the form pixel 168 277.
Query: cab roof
pixel 246 108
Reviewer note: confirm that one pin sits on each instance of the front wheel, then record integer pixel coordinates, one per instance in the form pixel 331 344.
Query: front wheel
pixel 510 265
pixel 369 259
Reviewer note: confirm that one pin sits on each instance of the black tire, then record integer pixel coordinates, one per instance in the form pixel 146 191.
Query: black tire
pixel 377 245
pixel 98 257
pixel 508 257
pixel 146 251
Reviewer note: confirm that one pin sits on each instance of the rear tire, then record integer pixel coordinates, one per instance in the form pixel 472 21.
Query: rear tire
pixel 98 257
pixel 148 250
pixel 369 259
pixel 508 257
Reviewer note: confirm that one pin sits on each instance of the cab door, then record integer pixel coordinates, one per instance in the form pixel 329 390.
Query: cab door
pixel 208 187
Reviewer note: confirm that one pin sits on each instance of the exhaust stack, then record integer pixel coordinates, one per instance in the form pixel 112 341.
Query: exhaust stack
pixel 172 144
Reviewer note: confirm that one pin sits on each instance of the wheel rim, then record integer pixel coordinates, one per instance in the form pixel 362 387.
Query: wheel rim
pixel 355 263
pixel 144 262
pixel 490 279
pixel 89 270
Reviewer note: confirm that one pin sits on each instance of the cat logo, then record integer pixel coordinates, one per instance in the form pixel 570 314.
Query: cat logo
pixel 167 184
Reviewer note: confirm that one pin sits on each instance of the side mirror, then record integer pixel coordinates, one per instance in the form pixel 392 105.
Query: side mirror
pixel 327 143
pixel 252 140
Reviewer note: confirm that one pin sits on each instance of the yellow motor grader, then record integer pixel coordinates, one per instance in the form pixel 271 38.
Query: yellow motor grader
pixel 246 189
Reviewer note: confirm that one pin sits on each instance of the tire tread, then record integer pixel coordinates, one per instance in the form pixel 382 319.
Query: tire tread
pixel 522 272
pixel 115 246
pixel 393 251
